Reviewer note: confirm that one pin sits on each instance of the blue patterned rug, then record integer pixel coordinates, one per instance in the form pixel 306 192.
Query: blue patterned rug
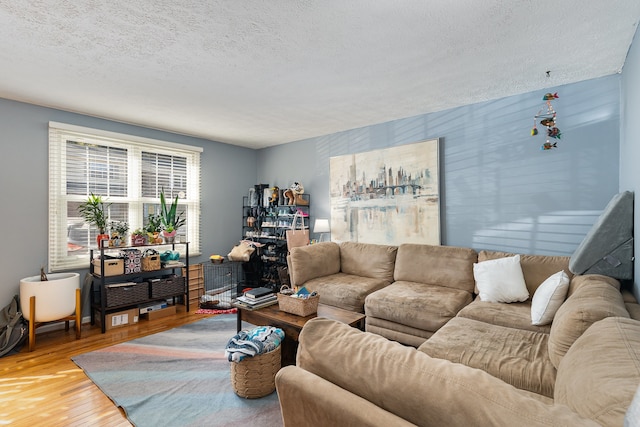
pixel 179 377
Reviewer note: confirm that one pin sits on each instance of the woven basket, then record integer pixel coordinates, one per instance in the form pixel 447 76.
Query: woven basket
pixel 254 377
pixel 168 287
pixel 150 263
pixel 126 293
pixel 298 306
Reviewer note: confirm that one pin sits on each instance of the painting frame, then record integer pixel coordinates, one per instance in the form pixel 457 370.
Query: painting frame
pixel 387 196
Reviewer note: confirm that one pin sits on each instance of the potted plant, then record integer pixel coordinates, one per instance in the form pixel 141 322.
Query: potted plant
pixel 94 212
pixel 153 228
pixel 138 237
pixel 118 231
pixel 171 219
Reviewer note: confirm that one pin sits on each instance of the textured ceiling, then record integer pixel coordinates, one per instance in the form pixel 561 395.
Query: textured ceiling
pixel 258 73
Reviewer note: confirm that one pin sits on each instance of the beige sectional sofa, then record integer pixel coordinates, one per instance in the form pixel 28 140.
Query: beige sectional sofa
pixel 486 360
pixel 345 377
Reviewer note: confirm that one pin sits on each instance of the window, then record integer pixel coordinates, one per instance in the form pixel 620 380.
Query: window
pixel 129 173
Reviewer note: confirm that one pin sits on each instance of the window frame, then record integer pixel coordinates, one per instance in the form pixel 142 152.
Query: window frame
pixel 60 133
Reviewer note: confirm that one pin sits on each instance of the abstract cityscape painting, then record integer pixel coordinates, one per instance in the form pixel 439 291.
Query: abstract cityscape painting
pixel 388 196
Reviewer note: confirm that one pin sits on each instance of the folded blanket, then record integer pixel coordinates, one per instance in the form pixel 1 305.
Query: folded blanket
pixel 253 342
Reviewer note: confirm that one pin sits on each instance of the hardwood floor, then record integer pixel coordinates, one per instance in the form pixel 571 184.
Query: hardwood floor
pixel 45 388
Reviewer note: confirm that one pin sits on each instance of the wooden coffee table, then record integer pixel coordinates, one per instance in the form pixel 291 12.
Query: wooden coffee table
pixel 292 324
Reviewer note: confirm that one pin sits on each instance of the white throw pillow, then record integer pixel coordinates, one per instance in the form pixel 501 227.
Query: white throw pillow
pixel 548 298
pixel 501 280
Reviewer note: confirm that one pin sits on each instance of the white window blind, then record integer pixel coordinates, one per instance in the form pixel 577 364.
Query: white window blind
pixel 129 173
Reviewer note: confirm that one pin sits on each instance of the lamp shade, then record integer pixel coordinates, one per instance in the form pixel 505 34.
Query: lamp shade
pixel 321 226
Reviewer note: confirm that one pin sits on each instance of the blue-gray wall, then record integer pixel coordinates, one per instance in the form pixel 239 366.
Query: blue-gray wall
pixel 499 190
pixel 227 171
pixel 630 136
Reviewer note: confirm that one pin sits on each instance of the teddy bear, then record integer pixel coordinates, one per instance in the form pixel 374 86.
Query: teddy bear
pixel 293 195
pixel 274 196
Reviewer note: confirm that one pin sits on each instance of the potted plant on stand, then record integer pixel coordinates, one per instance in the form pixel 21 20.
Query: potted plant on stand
pixel 118 232
pixel 171 219
pixel 153 228
pixel 93 211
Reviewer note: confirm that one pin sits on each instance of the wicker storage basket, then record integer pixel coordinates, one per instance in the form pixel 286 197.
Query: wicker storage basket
pixel 126 293
pixel 254 377
pixel 150 263
pixel 167 287
pixel 298 306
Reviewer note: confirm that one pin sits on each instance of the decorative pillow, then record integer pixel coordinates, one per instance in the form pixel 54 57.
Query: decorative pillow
pixel 548 298
pixel 501 280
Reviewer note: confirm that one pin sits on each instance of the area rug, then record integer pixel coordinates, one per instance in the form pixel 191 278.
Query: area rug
pixel 179 377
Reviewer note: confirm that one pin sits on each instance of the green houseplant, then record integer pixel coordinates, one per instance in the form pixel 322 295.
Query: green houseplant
pixel 138 237
pixel 94 212
pixel 171 219
pixel 153 228
pixel 119 231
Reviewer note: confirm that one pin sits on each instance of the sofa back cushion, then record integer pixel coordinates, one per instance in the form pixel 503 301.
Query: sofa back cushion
pixel 535 268
pixel 585 306
pixel 600 373
pixel 579 281
pixel 436 265
pixel 368 260
pixel 309 262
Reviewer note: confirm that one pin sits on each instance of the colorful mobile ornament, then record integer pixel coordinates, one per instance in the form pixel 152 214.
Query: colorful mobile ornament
pixel 547 119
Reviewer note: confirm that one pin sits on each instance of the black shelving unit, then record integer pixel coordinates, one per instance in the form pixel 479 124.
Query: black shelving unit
pixel 100 281
pixel 268 226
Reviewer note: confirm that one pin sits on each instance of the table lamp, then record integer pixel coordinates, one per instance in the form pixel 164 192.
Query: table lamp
pixel 321 226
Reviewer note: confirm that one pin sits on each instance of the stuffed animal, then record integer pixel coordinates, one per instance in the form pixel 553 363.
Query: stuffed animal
pixel 298 191
pixel 274 196
pixel 293 195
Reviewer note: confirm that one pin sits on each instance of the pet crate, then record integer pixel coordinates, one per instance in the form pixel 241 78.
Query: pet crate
pixel 221 282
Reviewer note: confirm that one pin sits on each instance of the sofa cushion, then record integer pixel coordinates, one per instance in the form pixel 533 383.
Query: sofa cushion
pixel 535 268
pixel 600 373
pixel 548 298
pixel 500 280
pixel 515 315
pixel 447 266
pixel 345 290
pixel 586 280
pixel 588 304
pixel 393 331
pixel 309 262
pixel 516 356
pixel 414 386
pixel 417 305
pixel 309 400
pixel 368 260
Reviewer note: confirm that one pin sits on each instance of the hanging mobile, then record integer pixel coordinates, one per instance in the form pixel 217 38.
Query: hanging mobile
pixel 547 119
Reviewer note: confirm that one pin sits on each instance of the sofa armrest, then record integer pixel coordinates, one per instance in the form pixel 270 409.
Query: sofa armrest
pixel 310 401
pixel 310 262
pixel 418 388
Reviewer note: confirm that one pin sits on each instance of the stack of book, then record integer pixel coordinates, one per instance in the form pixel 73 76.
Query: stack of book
pixel 257 298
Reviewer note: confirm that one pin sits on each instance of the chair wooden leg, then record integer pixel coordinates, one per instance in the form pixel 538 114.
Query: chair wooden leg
pixel 78 314
pixel 32 323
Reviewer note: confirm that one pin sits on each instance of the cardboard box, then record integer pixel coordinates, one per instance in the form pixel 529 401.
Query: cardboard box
pixel 112 267
pixel 153 306
pixel 120 318
pixel 157 314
